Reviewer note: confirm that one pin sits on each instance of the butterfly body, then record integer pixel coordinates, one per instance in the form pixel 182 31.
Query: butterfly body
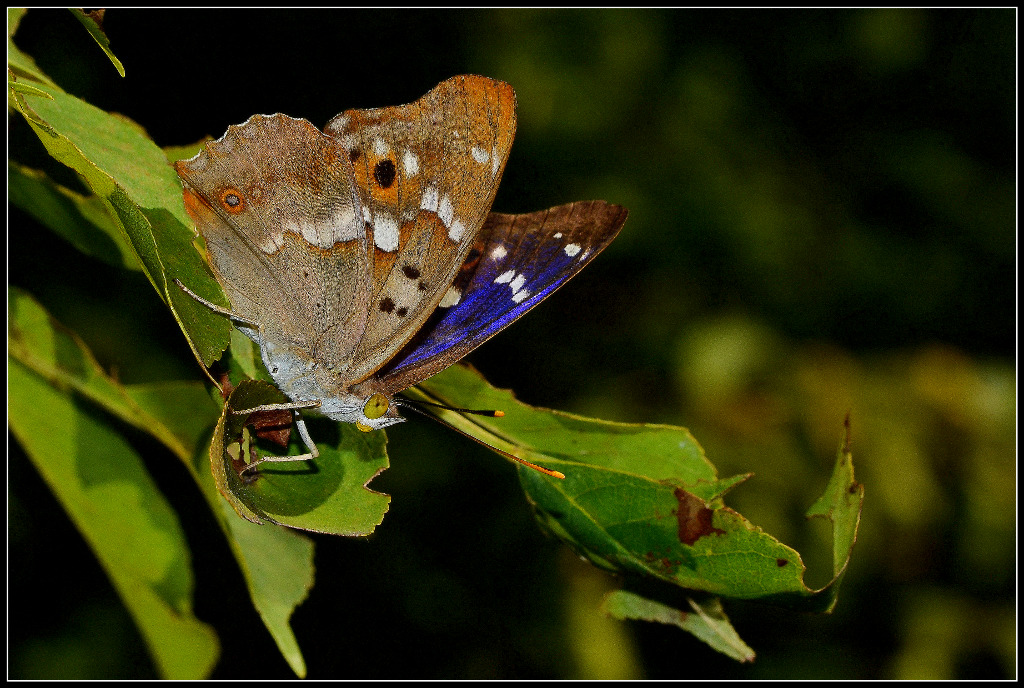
pixel 362 259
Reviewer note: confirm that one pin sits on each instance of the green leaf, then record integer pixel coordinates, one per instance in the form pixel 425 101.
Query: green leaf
pixel 14 16
pixel 644 501
pixel 841 504
pixel 278 566
pixel 245 360
pixel 25 89
pixel 178 409
pixel 189 150
pixel 92 22
pixel 131 176
pixel 707 621
pixel 40 343
pixel 327 495
pixel 639 499
pixel 18 63
pixel 139 189
pixel 277 563
pixel 82 220
pixel 179 414
pixel 103 485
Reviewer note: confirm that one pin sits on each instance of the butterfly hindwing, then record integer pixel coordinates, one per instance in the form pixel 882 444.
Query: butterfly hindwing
pixel 426 174
pixel 517 261
pixel 283 233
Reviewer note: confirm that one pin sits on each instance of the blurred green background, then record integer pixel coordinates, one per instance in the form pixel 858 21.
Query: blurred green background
pixel 822 220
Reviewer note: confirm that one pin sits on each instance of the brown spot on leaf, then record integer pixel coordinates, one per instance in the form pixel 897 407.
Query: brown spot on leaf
pixel 225 385
pixel 97 16
pixel 694 518
pixel 275 426
pixel 781 562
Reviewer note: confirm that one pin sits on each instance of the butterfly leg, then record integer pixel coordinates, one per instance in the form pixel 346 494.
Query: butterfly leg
pixel 300 425
pixel 294 407
pixel 215 308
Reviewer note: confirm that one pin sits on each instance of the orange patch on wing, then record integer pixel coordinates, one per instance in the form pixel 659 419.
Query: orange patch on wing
pixel 383 262
pixel 198 208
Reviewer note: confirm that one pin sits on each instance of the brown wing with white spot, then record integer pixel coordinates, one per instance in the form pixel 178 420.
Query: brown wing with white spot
pixel 426 174
pixel 274 200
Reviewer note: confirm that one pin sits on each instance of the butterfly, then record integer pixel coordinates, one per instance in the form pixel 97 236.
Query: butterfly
pixel 362 259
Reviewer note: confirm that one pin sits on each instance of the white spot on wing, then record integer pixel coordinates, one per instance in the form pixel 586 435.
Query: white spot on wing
pixel 306 230
pixel 515 283
pixel 429 201
pixel 556 235
pixel 411 163
pixel 381 148
pixel 344 225
pixel 495 160
pixel 480 155
pixel 456 231
pixel 348 142
pixel 498 253
pixel 446 211
pixel 450 298
pixel 385 232
pixel 572 249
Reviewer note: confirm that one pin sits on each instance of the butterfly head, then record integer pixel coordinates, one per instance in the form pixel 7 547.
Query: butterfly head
pixel 378 412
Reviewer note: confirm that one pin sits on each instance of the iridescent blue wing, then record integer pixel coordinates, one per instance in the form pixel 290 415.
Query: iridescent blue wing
pixel 515 263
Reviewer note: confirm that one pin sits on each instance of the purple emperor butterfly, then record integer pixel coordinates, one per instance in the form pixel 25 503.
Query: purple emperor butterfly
pixel 362 259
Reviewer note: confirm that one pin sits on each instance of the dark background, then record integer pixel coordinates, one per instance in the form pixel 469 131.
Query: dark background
pixel 822 219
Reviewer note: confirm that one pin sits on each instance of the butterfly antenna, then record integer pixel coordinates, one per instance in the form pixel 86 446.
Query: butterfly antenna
pixel 414 405
pixel 490 413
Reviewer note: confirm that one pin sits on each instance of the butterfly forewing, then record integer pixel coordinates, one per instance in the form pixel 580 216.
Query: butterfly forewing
pixel 426 174
pixel 516 262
